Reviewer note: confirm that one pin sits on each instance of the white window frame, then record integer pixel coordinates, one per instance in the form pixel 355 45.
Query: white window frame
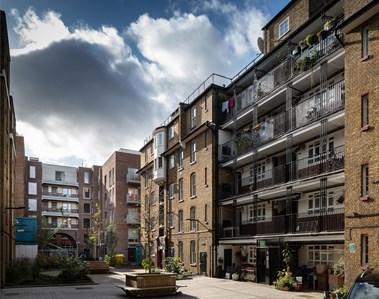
pixel 32 188
pixel 193 184
pixel 171 132
pixel 86 177
pixel 364 250
pixel 193 252
pixel 193 152
pixel 181 158
pixel 261 171
pixel 171 161
pixel 193 117
pixel 321 254
pixel 32 205
pixel 193 222
pixel 32 172
pixel 181 190
pixel 284 27
pixel 171 188
pixel 181 221
pixel 257 212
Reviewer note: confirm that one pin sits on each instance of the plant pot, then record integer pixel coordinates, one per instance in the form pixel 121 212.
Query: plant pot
pixel 322 35
pixel 303 45
pixel 235 276
pixel 296 51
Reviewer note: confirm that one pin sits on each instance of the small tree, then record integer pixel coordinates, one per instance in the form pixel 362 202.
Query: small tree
pixel 111 239
pixel 94 235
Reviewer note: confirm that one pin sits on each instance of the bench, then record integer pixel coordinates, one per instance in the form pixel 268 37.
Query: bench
pixel 98 267
pixel 151 291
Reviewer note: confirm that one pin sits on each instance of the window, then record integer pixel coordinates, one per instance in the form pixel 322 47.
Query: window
pixel 153 222
pixel 153 246
pixel 180 158
pixel 133 236
pixel 87 208
pixel 284 27
pixel 206 213
pixel 146 180
pixel 32 172
pixel 158 163
pixel 321 254
pixel 171 161
pixel 252 255
pixel 206 176
pixel 159 140
pixel 171 132
pixel 314 152
pixel 59 176
pixel 364 250
pixel 152 198
pixel 146 157
pixel 180 250
pixel 181 191
pixel 193 218
pixel 32 205
pixel 86 222
pixel 257 212
pixel 193 152
pixel 87 192
pixel 317 204
pixel 193 252
pixel 86 177
pixel 365 39
pixel 180 221
pixel 193 117
pixel 365 119
pixel 261 171
pixel 32 188
pixel 171 188
pixel 364 175
pixel 133 195
pixel 151 149
pixel 171 220
pixel 193 185
pixel 206 140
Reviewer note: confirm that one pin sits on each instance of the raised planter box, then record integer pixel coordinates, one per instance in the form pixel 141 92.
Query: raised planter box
pixel 147 285
pixel 98 267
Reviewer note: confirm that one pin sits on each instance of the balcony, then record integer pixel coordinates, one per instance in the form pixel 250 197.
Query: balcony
pixel 60 196
pixel 311 109
pixel 325 162
pixel 133 199
pixel 290 67
pixel 133 178
pixel 133 220
pixel 55 225
pixel 326 220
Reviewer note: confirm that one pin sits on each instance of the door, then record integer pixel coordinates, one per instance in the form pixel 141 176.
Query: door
pixel 131 255
pixel 203 263
pixel 261 264
pixel 228 260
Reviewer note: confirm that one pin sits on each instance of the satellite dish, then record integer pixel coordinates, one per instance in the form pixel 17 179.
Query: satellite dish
pixel 340 200
pixel 261 43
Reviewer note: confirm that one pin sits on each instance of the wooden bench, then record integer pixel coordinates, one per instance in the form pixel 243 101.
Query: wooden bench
pixel 151 291
pixel 98 267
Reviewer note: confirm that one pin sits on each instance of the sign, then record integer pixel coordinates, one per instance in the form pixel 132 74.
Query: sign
pixel 262 244
pixel 352 247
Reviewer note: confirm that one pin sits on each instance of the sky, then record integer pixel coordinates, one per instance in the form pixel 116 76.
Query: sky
pixel 89 77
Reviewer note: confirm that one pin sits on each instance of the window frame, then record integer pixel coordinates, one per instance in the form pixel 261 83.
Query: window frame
pixel 193 184
pixel 180 250
pixel 171 132
pixel 193 222
pixel 193 117
pixel 193 151
pixel 171 190
pixel 364 111
pixel 287 27
pixel 32 172
pixel 365 42
pixel 181 189
pixel 365 181
pixel 180 221
pixel 364 250
pixel 193 253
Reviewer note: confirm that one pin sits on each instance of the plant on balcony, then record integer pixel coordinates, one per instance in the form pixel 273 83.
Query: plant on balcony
pixel 311 39
pixel 296 50
pixel 330 24
pixel 302 65
pixel 303 45
pixel 315 55
pixel 322 35
pixel 244 142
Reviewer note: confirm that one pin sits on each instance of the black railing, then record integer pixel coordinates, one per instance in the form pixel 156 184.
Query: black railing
pixel 322 220
pixel 58 194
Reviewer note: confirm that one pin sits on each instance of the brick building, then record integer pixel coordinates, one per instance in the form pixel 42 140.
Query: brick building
pixel 361 29
pixel 178 185
pixel 7 155
pixel 120 202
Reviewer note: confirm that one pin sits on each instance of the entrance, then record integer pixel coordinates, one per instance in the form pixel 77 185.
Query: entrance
pixel 268 264
pixel 228 260
pixel 132 255
pixel 203 263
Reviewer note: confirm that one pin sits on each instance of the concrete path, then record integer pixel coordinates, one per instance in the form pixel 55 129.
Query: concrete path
pixel 197 287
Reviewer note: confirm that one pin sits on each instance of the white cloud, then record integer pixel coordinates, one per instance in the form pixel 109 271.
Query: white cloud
pixel 84 93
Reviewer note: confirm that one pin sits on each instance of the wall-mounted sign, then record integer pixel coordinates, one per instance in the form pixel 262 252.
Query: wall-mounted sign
pixel 352 247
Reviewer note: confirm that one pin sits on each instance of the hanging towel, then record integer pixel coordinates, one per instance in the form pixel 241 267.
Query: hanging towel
pixel 231 102
pixel 225 106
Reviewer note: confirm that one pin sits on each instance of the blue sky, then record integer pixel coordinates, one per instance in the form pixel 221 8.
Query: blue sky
pixel 91 76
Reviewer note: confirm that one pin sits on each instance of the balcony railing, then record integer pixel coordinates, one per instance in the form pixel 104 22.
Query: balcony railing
pixel 55 225
pixel 62 211
pixel 326 220
pixel 290 67
pixel 133 199
pixel 132 220
pixel 57 194
pixel 133 178
pixel 313 108
pixel 327 161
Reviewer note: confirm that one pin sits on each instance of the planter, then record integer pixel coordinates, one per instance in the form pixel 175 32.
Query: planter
pixel 335 281
pixel 235 276
pixel 147 285
pixel 322 35
pixel 283 288
pixel 97 266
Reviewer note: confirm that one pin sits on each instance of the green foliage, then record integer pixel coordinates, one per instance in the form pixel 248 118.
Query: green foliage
pixel 73 269
pixel 173 264
pixel 339 267
pixel 147 264
pixel 111 239
pixel 287 255
pixel 311 39
pixel 284 280
pixel 119 259
pixel 22 269
pixel 341 292
pixel 94 234
pixel 107 258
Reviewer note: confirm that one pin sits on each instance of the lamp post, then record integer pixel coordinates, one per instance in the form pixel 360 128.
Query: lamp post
pixel 208 230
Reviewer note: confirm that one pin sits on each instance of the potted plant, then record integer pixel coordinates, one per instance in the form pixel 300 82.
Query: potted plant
pixel 339 293
pixel 285 281
pixel 322 34
pixel 336 274
pixel 235 276
pixel 296 50
pixel 303 45
pixel 330 24
pixel 311 39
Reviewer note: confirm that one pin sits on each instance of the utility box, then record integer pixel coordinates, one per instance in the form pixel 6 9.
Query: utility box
pixel 26 231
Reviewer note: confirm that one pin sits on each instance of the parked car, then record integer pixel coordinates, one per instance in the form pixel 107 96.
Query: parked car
pixel 365 286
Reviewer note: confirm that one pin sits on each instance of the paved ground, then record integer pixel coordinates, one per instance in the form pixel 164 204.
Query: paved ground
pixel 197 287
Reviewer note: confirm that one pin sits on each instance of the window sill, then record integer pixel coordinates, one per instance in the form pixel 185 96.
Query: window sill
pixel 192 197
pixel 206 185
pixel 206 148
pixel 194 162
pixel 172 197
pixel 365 128
pixel 193 265
pixel 364 198
pixel 181 200
pixel 364 58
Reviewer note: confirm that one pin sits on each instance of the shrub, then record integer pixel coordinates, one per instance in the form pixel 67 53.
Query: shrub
pixel 173 264
pixel 22 269
pixel 146 264
pixel 73 269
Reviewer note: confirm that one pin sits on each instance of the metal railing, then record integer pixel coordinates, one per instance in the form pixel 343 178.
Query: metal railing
pixel 59 194
pixel 133 178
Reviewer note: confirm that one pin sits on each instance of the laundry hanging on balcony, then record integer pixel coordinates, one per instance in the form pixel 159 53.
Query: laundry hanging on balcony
pixel 225 106
pixel 231 102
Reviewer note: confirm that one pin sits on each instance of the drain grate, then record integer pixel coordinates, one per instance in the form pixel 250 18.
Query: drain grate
pixel 84 288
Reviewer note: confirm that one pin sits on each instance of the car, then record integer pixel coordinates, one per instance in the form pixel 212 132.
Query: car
pixel 366 285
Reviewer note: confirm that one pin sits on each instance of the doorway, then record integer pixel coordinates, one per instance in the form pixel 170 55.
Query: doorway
pixel 203 263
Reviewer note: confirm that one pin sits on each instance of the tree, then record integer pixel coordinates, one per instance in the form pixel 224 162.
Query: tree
pixel 111 239
pixel 94 235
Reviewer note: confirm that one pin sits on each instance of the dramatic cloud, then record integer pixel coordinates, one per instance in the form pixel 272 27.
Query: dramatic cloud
pixel 81 93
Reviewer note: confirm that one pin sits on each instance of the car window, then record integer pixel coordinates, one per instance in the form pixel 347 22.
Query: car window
pixel 365 290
